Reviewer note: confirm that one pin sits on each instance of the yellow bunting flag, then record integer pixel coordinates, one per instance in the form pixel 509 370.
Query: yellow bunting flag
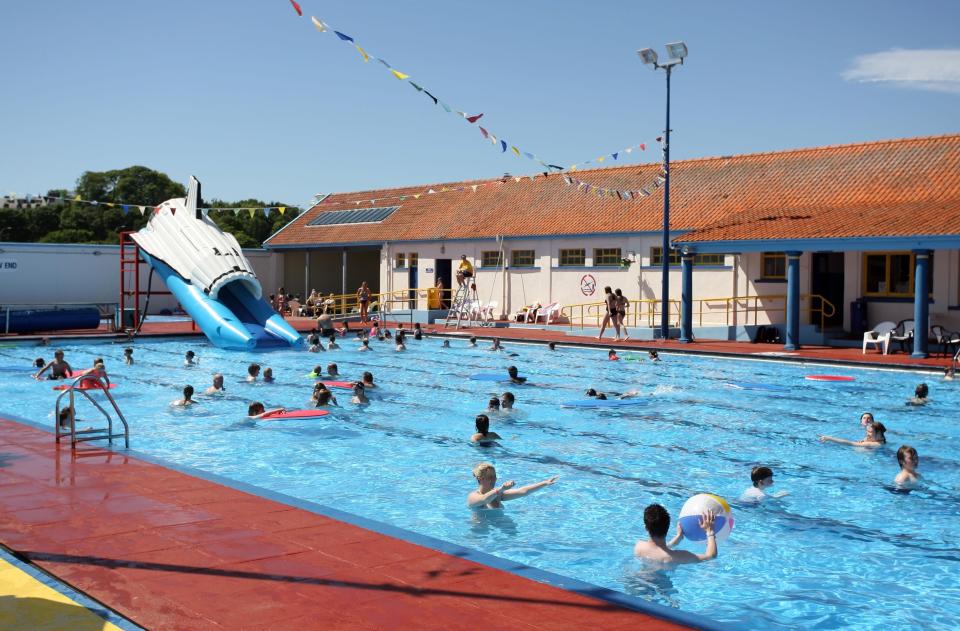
pixel 366 57
pixel 417 196
pixel 77 198
pixel 282 209
pixel 601 158
pixel 516 151
pixel 251 211
pixel 320 25
pixel 400 75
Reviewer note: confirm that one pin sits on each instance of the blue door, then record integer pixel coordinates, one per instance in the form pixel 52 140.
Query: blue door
pixel 414 261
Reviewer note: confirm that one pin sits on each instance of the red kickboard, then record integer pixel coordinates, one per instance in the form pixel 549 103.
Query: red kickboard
pixel 828 378
pixel 292 414
pixel 86 385
pixel 346 385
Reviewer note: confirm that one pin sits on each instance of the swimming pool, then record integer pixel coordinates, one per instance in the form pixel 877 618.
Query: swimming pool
pixel 842 550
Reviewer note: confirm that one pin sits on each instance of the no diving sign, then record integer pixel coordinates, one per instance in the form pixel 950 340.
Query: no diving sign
pixel 588 285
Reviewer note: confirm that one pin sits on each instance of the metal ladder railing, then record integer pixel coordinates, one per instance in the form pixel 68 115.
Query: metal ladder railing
pixel 460 306
pixel 102 385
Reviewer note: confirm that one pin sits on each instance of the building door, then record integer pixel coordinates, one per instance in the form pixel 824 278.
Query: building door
pixel 413 262
pixel 444 272
pixel 827 281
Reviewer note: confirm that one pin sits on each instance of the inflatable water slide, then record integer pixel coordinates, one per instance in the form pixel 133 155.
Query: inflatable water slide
pixel 205 269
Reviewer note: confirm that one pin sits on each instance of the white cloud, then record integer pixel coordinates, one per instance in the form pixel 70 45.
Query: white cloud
pixel 937 70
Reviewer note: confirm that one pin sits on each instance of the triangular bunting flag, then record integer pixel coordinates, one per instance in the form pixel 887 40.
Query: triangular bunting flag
pixel 363 53
pixel 528 155
pixel 515 151
pixel 445 106
pixel 474 188
pixel 417 196
pixel 483 131
pixel 77 199
pixel 401 76
pixel 503 143
pixel 266 212
pixel 419 89
pixel 282 210
pixel 517 179
pixel 384 62
pixel 614 155
pixel 643 147
pixel 296 7
pixel 236 211
pixel 251 212
pixel 319 24
pixel 142 210
pixel 345 38
pixel 126 209
pixel 435 100
pixel 474 119
pixel 431 192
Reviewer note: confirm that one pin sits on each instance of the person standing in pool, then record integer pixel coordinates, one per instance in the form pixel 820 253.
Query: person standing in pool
pixel 515 377
pixel 59 368
pixel 368 380
pixel 253 371
pixel 612 355
pixel 493 405
pixel 359 396
pixel 874 439
pixel 488 495
pixel 187 399
pixel 656 520
pixel 128 356
pixel 217 385
pixel 909 461
pixel 762 479
pixel 484 435
pixel 188 359
pixel 268 375
pixel 919 395
pixel 506 401
pixel 332 371
pixel 496 345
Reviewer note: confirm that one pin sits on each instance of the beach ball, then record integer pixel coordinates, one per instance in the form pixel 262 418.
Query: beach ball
pixel 694 507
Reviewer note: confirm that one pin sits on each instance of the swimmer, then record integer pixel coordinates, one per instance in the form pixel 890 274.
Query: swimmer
pixel 919 395
pixel 38 362
pixel 315 345
pixel 64 419
pixel 217 385
pixel 762 478
pixel 473 342
pixel 653 356
pixel 909 461
pixel 186 400
pixel 256 410
pixel 332 344
pixel 43 341
pixel 190 359
pixel 417 332
pixel 496 345
pixel 656 520
pixel 365 346
pixel 866 419
pixel 400 347
pixel 332 371
pixel 602 396
pixel 359 396
pixel 489 496
pixel 253 371
pixel 949 372
pixel 128 356
pixel 552 346
pixel 268 375
pixel 446 344
pixel 514 377
pixel 59 368
pixel 493 405
pixel 484 435
pixel 317 389
pixel 317 372
pixel 612 355
pixel 368 380
pixel 325 398
pixel 875 438
pixel 506 401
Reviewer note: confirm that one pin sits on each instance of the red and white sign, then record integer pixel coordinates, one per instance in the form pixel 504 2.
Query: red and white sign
pixel 588 285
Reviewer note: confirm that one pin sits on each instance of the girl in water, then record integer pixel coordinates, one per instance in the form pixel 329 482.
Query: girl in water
pixel 484 435
pixel 874 439
pixel 909 461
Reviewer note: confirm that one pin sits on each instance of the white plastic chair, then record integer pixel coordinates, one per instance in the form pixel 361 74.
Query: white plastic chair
pixel 879 337
pixel 488 313
pixel 551 312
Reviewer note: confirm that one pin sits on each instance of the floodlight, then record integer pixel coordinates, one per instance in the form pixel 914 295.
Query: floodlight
pixel 677 50
pixel 648 55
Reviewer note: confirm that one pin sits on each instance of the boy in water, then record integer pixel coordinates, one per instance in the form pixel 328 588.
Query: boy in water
pixel 186 400
pixel 656 520
pixel 506 401
pixel 59 368
pixel 365 346
pixel 368 380
pixel 489 496
pixel 514 376
pixel 473 342
pixel 253 371
pixel 762 478
pixel 128 356
pixel 332 371
pixel 919 395
pixel 484 435
pixel 268 375
pixel 612 355
pixel 359 396
pixel 909 461
pixel 189 359
pixel 256 410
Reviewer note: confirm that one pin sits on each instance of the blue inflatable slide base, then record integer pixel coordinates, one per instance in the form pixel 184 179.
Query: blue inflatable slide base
pixel 234 320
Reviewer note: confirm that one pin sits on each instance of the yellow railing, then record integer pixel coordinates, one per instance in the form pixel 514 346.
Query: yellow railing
pixel 386 302
pixel 743 310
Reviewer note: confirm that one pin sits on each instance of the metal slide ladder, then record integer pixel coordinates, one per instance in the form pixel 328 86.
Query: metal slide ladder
pixel 460 307
pixel 83 435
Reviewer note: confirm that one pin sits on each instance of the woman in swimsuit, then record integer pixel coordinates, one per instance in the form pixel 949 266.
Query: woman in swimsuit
pixel 363 296
pixel 622 304
pixel 611 302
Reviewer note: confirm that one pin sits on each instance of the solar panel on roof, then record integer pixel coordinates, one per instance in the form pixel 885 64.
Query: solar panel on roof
pixel 364 215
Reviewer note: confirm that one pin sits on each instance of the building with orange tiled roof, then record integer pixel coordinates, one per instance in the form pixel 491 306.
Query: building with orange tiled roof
pixel 858 222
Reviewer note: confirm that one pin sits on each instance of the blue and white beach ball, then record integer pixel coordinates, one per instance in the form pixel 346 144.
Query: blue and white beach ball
pixel 694 507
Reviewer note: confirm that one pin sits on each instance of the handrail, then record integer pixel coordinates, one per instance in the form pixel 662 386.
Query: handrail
pixel 706 310
pixel 103 382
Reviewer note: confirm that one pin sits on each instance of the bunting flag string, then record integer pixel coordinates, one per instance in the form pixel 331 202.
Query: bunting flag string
pixel 500 143
pixel 142 208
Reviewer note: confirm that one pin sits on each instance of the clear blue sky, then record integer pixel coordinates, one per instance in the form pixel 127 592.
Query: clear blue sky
pixel 256 103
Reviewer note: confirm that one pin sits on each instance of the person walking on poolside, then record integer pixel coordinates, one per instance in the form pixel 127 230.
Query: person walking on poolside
pixel 610 300
pixel 909 461
pixel 464 270
pixel 656 520
pixel 488 495
pixel 58 367
pixel 622 305
pixel 217 385
pixel 363 297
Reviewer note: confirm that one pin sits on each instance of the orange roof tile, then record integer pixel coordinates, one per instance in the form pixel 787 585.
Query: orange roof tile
pixel 889 188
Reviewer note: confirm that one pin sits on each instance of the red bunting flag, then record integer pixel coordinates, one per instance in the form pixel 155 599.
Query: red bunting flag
pixel 483 131
pixel 296 7
pixel 474 119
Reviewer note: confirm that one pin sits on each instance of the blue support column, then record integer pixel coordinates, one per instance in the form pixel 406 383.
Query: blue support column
pixel 921 303
pixel 686 298
pixel 793 302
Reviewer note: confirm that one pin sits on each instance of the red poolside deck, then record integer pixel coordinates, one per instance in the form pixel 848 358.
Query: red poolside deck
pixel 172 551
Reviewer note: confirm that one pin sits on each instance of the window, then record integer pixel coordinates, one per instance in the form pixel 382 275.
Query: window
pixel 401 260
pixel 773 265
pixel 523 258
pixel 698 259
pixel 573 258
pixel 607 256
pixel 414 259
pixel 891 274
pixel 491 258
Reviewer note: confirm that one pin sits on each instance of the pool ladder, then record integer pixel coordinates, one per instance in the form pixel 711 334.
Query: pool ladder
pixel 83 435
pixel 462 306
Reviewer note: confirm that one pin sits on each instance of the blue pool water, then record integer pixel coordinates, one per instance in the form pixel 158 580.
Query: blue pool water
pixel 844 549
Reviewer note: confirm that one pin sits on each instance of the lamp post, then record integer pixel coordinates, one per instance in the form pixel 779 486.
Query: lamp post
pixel 677 52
